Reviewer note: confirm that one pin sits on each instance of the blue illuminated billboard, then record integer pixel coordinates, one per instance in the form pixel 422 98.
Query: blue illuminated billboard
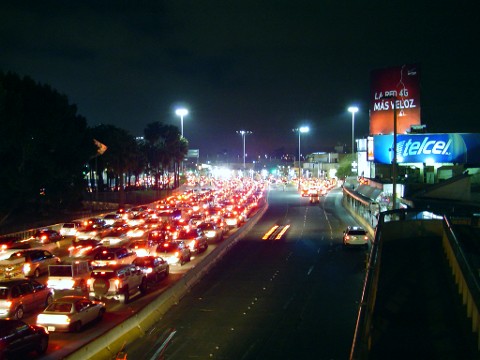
pixel 428 148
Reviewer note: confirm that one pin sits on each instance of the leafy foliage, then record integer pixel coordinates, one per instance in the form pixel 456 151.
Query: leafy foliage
pixel 45 146
pixel 47 150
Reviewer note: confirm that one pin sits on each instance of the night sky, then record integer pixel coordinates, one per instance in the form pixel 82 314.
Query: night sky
pixel 263 66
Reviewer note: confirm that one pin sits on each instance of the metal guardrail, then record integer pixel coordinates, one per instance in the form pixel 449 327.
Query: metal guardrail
pixel 465 276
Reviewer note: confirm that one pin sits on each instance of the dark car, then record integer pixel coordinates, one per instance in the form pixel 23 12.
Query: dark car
pixel 155 267
pixel 195 240
pixel 46 236
pixel 12 242
pixel 174 252
pixel 17 337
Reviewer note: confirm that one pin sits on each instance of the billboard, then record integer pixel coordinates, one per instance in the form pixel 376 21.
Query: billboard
pixel 397 87
pixel 459 148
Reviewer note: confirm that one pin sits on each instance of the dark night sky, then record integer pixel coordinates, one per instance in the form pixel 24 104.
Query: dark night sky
pixel 263 66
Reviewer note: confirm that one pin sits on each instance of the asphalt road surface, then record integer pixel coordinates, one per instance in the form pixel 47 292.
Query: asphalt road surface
pixel 291 294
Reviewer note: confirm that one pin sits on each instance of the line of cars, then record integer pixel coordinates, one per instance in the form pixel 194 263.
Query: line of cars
pixel 168 233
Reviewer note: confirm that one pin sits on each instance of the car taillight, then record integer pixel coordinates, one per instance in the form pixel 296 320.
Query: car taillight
pixel 89 281
pixel 26 268
pixel 8 304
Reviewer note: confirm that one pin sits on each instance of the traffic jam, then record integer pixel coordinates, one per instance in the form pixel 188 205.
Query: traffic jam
pixel 67 277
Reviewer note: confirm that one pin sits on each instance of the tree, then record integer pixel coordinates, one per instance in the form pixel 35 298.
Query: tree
pixel 121 155
pixel 345 166
pixel 166 148
pixel 46 144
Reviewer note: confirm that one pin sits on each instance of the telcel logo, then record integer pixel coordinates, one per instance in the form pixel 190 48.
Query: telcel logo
pixel 425 147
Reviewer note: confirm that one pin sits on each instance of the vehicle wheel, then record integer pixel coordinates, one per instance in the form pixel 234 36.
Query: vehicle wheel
pixel 36 274
pixel 48 300
pixel 143 286
pixel 167 271
pixel 100 314
pixel 76 327
pixel 42 347
pixel 126 295
pixel 189 258
pixel 19 313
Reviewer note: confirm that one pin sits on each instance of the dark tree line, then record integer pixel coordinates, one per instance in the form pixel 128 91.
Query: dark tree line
pixel 47 149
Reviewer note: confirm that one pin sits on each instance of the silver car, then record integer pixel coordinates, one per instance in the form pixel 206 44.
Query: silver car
pixel 36 261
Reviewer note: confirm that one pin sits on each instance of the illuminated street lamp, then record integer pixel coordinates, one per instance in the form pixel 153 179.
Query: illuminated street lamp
pixel 244 133
pixel 300 130
pixel 353 110
pixel 181 112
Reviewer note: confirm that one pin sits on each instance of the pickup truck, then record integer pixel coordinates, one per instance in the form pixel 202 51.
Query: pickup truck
pixel 72 276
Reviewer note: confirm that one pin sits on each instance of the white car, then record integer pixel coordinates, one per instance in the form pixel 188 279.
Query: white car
pixel 70 313
pixel 212 232
pixel 70 229
pixel 355 236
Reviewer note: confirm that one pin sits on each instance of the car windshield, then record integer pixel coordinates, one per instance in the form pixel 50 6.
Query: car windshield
pixel 142 262
pixel 60 307
pixel 357 232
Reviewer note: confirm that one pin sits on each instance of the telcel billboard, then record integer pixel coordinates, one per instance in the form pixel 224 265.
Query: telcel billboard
pixel 428 148
pixel 394 88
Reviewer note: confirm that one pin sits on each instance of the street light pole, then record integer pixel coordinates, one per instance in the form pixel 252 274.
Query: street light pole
pixel 300 130
pixel 243 133
pixel 181 112
pixel 353 110
pixel 394 160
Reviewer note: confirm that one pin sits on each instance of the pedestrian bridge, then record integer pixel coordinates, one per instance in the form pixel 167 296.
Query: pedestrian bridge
pixel 421 295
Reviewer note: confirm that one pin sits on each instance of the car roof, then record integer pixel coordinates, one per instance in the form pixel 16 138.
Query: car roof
pixel 9 282
pixel 70 298
pixel 8 324
pixel 113 267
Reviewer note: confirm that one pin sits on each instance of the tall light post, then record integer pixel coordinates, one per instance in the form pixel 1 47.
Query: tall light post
pixel 181 112
pixel 244 133
pixel 300 130
pixel 393 99
pixel 353 110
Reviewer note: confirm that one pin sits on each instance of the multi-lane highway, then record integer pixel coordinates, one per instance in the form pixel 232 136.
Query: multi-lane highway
pixel 293 296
